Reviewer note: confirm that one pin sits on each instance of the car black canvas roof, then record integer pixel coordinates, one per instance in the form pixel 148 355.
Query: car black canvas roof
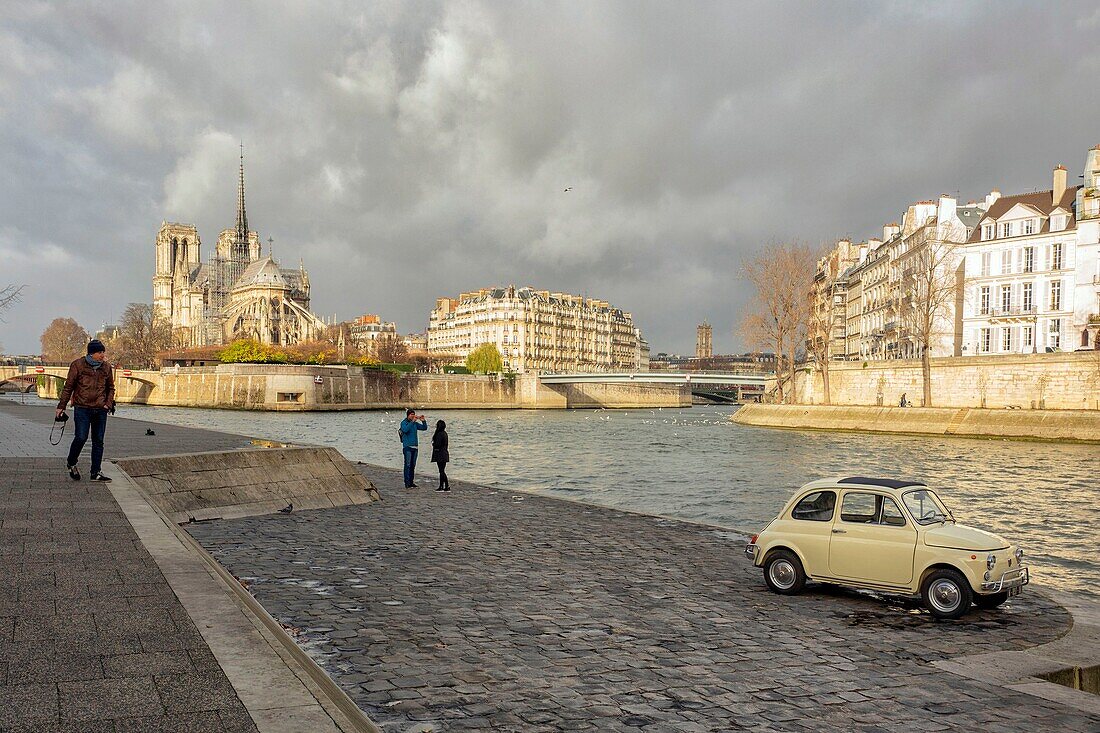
pixel 891 483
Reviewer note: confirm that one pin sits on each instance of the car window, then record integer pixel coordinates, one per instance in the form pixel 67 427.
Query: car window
pixel 859 508
pixel 815 507
pixel 891 514
pixel 925 506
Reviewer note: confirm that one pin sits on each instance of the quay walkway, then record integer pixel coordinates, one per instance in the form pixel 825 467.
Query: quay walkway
pixel 489 609
pixel 94 636
pixel 484 609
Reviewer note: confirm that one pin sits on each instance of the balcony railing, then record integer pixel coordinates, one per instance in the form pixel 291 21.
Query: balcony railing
pixel 1015 310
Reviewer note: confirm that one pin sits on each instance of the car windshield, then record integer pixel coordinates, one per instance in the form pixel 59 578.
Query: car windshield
pixel 925 506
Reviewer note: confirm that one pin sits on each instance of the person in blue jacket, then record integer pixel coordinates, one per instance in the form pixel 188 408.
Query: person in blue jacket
pixel 410 444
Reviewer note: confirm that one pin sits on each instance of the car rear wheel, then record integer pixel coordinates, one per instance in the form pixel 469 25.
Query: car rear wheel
pixel 783 573
pixel 990 601
pixel 946 594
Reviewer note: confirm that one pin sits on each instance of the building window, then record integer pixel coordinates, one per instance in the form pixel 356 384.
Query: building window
pixel 983 308
pixel 1054 337
pixel 1056 295
pixel 1029 259
pixel 1006 339
pixel 987 231
pixel 985 341
pixel 1006 229
pixel 1029 226
pixel 985 263
pixel 1006 298
pixel 1027 304
pixel 1006 262
pixel 1056 256
pixel 1028 336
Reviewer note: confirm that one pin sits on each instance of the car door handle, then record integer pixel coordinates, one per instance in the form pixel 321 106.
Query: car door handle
pixel 840 531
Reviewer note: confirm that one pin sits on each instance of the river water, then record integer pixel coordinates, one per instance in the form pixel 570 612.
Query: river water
pixel 696 464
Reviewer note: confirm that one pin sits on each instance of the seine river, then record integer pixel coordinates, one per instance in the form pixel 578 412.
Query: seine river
pixel 695 464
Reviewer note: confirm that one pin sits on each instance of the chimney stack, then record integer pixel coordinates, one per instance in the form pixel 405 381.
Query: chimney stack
pixel 991 198
pixel 1059 184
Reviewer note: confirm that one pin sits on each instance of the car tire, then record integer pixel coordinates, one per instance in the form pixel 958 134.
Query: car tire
pixel 990 601
pixel 946 594
pixel 783 573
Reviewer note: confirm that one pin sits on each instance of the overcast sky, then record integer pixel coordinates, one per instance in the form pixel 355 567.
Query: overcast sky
pixel 411 150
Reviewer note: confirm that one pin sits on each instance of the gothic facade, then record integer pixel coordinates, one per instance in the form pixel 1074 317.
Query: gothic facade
pixel 238 293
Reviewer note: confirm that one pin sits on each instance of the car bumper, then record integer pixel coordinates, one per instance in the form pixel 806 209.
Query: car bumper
pixel 1016 578
pixel 750 552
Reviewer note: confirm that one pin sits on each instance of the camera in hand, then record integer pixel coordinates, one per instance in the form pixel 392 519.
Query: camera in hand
pixel 63 417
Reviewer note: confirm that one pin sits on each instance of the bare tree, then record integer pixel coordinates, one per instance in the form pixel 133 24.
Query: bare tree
pixel 63 340
pixel 143 333
pixel 781 274
pixel 9 296
pixel 929 284
pixel 391 350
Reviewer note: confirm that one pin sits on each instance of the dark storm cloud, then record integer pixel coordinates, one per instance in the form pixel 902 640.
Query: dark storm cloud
pixel 408 151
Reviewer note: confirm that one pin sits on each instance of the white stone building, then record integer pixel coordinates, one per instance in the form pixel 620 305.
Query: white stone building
pixel 1086 297
pixel 1021 267
pixel 539 331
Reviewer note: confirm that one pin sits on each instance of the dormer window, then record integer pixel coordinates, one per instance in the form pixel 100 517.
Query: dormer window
pixel 1029 226
pixel 1057 222
pixel 988 231
pixel 1006 229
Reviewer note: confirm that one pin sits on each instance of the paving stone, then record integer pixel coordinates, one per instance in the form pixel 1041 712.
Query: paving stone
pixel 24 704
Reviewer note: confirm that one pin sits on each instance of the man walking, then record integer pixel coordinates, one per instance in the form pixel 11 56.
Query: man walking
pixel 410 444
pixel 91 386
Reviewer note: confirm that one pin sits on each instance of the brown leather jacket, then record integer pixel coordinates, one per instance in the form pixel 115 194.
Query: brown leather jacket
pixel 88 387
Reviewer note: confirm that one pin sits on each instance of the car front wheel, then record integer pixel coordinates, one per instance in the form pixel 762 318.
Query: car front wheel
pixel 783 573
pixel 990 601
pixel 946 594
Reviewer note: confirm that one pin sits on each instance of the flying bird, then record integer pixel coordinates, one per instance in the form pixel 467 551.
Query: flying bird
pixel 568 190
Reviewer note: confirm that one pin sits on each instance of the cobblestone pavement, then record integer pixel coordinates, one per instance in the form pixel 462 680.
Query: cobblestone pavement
pixel 486 609
pixel 92 638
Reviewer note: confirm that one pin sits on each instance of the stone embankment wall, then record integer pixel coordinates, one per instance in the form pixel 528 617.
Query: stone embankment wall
pixel 199 486
pixel 302 388
pixel 1060 381
pixel 1062 425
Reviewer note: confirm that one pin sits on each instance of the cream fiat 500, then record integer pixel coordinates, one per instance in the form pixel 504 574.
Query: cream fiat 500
pixel 886 535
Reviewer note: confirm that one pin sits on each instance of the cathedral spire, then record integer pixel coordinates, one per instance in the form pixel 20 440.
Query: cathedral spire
pixel 242 218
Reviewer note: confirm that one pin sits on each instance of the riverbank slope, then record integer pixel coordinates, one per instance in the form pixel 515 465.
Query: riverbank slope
pixel 1055 425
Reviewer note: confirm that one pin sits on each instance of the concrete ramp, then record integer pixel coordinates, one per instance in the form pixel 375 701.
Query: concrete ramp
pixel 242 483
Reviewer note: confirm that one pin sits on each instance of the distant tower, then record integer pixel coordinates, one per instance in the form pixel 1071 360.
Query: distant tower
pixel 704 346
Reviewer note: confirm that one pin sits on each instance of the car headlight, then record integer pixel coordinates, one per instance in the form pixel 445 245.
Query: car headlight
pixel 1019 555
pixel 990 560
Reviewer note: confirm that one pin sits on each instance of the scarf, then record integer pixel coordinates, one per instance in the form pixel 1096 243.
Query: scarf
pixel 92 362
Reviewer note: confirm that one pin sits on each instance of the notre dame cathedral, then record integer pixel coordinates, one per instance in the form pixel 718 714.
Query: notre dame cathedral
pixel 237 294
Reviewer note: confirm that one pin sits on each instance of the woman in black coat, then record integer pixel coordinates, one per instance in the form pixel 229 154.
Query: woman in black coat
pixel 440 454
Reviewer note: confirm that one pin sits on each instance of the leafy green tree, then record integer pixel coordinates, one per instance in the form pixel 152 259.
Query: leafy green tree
pixel 484 360
pixel 244 351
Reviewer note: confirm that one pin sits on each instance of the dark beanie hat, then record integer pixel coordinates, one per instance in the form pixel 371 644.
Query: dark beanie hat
pixel 95 346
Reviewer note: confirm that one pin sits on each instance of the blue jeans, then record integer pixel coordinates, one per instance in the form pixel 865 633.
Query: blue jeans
pixel 410 465
pixel 87 420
